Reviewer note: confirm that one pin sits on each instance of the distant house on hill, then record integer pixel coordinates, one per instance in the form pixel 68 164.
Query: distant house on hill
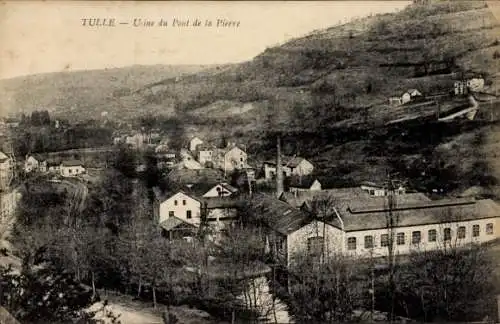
pixel 72 168
pixel 35 163
pixel 205 154
pixel 295 166
pixel 194 142
pixel 408 96
pixel 232 157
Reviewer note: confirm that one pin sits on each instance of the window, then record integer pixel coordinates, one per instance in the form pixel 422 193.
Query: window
pixel 241 159
pixel 400 238
pixel 315 245
pixel 184 202
pixel 416 237
pixel 447 234
pixel 351 243
pixel 188 214
pixel 475 230
pixel 368 242
pixel 70 171
pixel 489 228
pixel 171 214
pixel 384 240
pixel 461 232
pixel 432 234
pixel 175 202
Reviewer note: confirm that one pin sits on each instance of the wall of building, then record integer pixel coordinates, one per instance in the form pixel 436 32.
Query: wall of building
pixel 8 204
pixel 237 155
pixel 204 156
pixel 70 171
pixel 297 241
pixel 408 247
pixel 184 203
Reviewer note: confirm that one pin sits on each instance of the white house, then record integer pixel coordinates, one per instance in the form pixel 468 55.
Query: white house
pixel 296 166
pixel 222 189
pixel 231 158
pixel 380 190
pixel 35 163
pixel 181 206
pixel 205 154
pixel 475 84
pixel 410 95
pixel 194 142
pixel 136 140
pixel 180 214
pixel 71 168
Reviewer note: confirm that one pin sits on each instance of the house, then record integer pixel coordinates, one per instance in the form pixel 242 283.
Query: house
pixel 295 166
pixel 419 223
pixel 194 142
pixel 460 87
pixel 475 84
pixel 296 184
pixel 410 95
pixel 222 189
pixel 53 165
pixel 35 163
pixel 6 171
pixel 136 140
pixel 180 215
pixel 375 189
pixel 231 158
pixel 71 168
pixel 291 231
pixel 205 154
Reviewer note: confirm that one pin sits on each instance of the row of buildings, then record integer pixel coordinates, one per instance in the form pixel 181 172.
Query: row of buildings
pixel 40 164
pixel 324 222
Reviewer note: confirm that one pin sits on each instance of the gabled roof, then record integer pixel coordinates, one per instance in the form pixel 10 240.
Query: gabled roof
pixel 361 211
pixel 53 161
pixel 292 162
pixel 301 182
pixel 279 215
pixel 172 222
pixel 72 163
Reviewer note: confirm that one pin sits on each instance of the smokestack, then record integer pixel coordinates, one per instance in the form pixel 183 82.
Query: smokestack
pixel 279 171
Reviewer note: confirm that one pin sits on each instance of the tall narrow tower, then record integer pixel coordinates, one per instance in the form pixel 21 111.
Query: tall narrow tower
pixel 279 169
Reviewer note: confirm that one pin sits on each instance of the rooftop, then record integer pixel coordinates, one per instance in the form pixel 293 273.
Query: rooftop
pixel 72 163
pixel 279 215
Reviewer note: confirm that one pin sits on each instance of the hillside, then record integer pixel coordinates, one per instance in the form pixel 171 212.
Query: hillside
pixel 328 93
pixel 84 94
pixel 347 71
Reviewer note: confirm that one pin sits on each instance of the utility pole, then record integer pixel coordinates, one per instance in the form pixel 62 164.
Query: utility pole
pixel 391 223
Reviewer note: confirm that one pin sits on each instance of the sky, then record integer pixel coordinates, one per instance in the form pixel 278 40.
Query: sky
pixel 40 37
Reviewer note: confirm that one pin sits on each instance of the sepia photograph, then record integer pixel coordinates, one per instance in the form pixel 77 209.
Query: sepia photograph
pixel 203 162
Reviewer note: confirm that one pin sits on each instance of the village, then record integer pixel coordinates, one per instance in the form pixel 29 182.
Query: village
pixel 347 175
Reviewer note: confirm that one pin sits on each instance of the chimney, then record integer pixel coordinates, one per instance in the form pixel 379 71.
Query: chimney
pixel 279 169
